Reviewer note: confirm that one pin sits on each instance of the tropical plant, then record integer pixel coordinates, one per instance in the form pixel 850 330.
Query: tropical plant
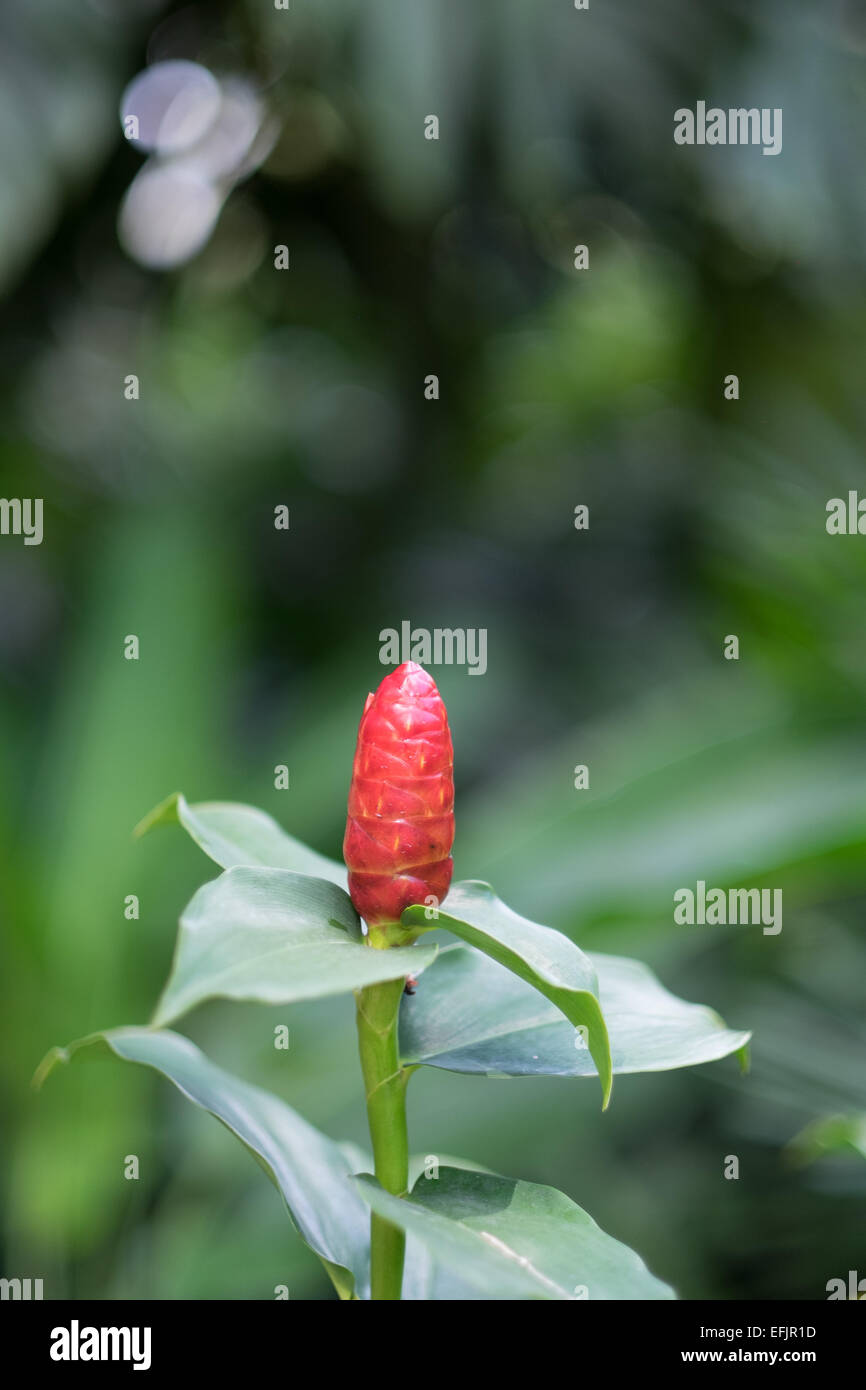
pixel 509 998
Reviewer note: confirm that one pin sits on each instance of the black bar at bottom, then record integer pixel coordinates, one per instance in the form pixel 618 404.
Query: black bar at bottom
pixel 66 1338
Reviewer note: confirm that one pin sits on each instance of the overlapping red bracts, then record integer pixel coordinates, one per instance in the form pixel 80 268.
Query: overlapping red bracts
pixel 400 826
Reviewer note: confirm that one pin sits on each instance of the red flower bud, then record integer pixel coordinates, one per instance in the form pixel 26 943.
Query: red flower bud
pixel 400 826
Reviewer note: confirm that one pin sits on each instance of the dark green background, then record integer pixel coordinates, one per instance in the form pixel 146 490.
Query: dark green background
pixel 258 647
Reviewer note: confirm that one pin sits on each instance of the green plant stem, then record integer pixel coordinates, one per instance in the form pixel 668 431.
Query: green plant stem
pixel 385 1086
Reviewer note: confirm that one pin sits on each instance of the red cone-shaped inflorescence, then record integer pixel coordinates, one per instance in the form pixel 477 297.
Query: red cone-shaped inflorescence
pixel 400 827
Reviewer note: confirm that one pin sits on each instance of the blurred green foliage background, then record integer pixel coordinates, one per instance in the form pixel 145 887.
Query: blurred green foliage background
pixel 558 387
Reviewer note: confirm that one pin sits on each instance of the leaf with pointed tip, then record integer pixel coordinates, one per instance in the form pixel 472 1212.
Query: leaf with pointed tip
pixel 233 834
pixel 544 958
pixel 310 1170
pixel 275 937
pixel 472 1015
pixel 514 1240
pixel 830 1134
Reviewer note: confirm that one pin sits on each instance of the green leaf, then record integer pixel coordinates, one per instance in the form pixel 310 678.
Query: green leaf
pixel 310 1170
pixel 513 1240
pixel 471 1015
pixel 424 1278
pixel 233 835
pixel 831 1134
pixel 544 958
pixel 275 937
